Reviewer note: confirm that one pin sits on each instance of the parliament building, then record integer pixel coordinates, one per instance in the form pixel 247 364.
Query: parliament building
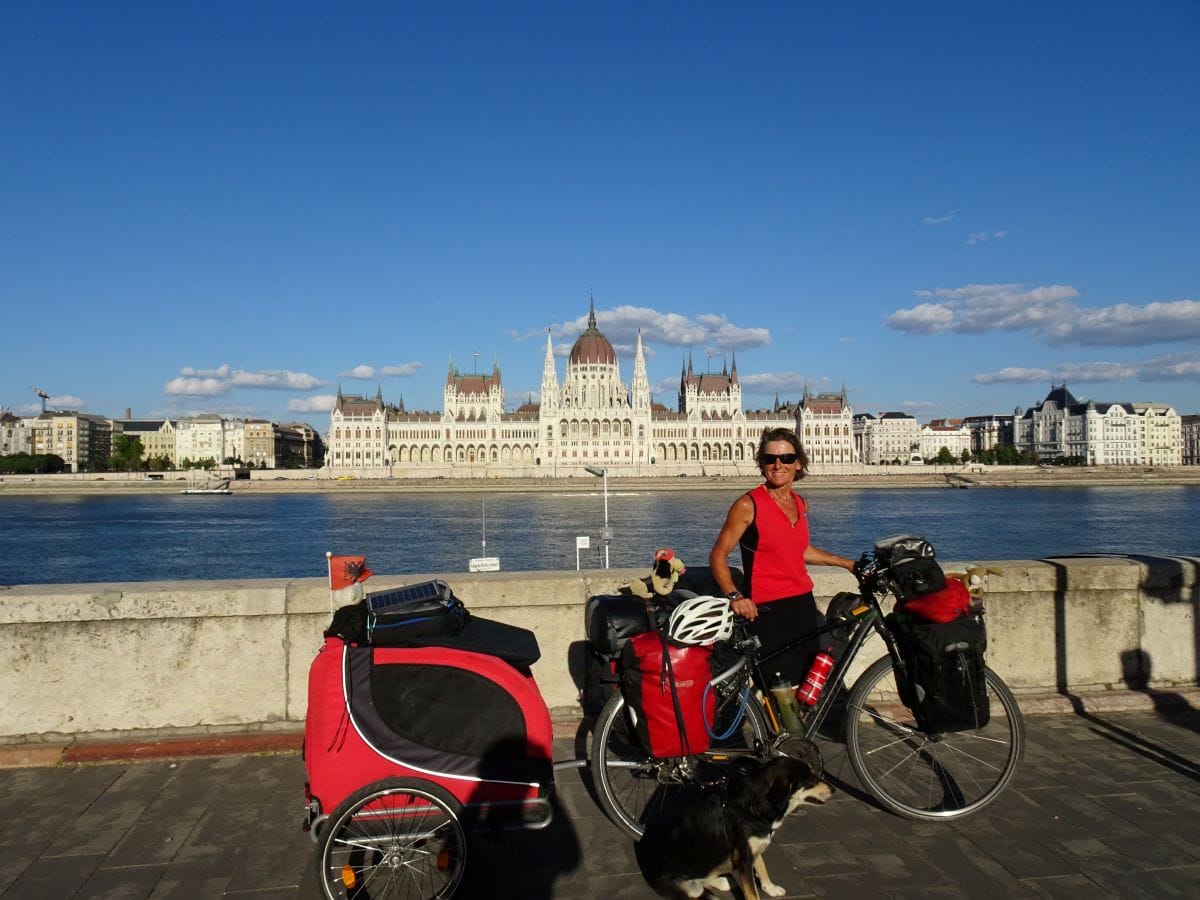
pixel 590 419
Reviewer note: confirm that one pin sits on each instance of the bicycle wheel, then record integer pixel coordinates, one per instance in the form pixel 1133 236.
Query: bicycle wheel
pixel 929 776
pixel 396 838
pixel 636 790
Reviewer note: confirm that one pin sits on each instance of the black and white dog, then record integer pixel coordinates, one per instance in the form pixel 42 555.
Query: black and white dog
pixel 727 830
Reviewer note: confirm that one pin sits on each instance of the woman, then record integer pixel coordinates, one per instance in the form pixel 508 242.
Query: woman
pixel 771 525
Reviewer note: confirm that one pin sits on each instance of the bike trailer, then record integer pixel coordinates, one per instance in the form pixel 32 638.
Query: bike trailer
pixel 460 711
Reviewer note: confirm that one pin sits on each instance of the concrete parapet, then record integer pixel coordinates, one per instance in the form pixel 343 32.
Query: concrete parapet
pixel 101 660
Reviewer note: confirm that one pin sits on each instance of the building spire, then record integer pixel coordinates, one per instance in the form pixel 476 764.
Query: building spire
pixel 641 383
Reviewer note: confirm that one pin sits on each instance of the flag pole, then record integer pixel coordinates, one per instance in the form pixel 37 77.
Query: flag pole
pixel 329 576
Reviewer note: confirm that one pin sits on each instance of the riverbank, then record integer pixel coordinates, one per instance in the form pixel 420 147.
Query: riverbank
pixel 268 482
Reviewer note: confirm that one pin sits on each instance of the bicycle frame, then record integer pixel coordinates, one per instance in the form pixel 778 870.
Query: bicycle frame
pixel 860 631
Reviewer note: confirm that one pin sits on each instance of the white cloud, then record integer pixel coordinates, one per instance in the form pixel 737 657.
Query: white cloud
pixel 982 237
pixel 789 385
pixel 315 403
pixel 1014 375
pixel 61 401
pixel 942 219
pixel 1049 313
pixel 196 387
pixel 358 372
pixel 1127 325
pixel 401 371
pixel 1175 367
pixel 621 325
pixel 215 382
pixel 921 405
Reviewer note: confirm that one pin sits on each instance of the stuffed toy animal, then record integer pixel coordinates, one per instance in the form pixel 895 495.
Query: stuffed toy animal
pixel 661 580
pixel 975 579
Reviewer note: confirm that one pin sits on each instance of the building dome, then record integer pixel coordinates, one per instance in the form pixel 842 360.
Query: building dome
pixel 592 346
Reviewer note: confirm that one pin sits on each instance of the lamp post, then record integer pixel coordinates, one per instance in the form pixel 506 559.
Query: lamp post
pixel 605 532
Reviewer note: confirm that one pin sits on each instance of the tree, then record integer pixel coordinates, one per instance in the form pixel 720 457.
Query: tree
pixel 126 453
pixel 966 456
pixel 944 457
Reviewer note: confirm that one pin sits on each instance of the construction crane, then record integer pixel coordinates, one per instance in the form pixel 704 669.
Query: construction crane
pixel 41 394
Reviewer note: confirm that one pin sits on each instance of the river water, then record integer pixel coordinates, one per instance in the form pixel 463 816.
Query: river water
pixel 157 538
pixel 162 538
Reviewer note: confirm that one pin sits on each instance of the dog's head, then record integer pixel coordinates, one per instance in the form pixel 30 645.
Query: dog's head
pixel 792 782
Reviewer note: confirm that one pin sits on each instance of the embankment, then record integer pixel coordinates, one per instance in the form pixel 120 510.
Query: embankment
pixel 158 659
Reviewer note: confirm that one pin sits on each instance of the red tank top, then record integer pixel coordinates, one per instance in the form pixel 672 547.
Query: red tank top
pixel 773 550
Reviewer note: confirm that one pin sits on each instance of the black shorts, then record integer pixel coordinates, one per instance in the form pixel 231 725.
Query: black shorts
pixel 779 622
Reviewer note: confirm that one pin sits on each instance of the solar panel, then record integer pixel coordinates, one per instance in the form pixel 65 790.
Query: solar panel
pixel 423 592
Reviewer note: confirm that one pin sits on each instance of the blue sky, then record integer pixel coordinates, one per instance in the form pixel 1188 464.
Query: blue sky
pixel 943 207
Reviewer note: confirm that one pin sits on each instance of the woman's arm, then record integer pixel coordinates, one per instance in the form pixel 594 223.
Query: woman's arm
pixel 740 515
pixel 819 557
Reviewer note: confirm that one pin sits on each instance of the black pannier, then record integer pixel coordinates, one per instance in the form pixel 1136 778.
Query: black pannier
pixel 945 684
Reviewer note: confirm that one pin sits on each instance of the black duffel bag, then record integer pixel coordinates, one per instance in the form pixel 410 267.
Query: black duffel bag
pixel 945 684
pixel 398 616
pixel 609 620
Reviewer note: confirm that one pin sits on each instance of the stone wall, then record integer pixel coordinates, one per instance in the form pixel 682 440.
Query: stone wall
pixel 155 658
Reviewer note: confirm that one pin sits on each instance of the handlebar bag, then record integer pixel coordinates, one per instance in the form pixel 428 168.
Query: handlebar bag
pixel 664 688
pixel 914 571
pixel 945 684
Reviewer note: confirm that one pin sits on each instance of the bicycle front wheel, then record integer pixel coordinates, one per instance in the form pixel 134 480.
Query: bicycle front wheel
pixel 929 776
pixel 635 789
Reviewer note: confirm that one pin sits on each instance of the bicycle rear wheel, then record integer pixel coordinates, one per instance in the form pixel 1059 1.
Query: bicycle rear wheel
pixel 930 776
pixel 636 790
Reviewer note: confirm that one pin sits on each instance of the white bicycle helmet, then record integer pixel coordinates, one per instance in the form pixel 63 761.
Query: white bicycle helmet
pixel 701 620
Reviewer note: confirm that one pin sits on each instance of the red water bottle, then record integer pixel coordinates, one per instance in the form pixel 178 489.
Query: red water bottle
pixel 814 681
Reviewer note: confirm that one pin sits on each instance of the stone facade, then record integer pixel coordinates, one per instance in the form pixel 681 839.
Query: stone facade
pixel 1145 434
pixel 589 419
pixel 79 438
pixel 893 437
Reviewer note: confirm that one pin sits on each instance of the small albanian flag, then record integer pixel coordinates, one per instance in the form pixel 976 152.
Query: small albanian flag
pixel 345 571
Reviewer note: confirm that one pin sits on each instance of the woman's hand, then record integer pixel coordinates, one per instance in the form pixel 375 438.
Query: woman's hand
pixel 745 608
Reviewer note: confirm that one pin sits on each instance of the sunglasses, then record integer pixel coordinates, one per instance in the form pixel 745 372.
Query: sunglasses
pixel 786 458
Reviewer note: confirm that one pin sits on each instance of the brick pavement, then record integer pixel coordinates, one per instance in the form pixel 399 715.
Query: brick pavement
pixel 1105 805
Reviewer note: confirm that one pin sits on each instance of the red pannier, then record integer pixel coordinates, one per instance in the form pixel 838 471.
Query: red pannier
pixel 664 688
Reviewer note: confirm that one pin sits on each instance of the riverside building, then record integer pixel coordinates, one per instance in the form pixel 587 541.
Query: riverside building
pixel 590 419
pixel 1123 434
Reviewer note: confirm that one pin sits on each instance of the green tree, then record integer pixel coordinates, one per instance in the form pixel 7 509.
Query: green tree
pixel 944 457
pixel 158 464
pixel 126 453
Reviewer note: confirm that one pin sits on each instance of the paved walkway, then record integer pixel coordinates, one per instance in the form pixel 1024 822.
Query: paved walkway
pixel 1106 805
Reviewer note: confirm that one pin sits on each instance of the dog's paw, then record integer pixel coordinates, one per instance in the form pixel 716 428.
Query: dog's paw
pixel 773 890
pixel 720 883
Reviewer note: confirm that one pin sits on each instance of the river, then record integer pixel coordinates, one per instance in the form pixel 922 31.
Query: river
pixel 68 539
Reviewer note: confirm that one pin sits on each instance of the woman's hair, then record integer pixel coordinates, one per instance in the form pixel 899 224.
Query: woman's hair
pixel 783 434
